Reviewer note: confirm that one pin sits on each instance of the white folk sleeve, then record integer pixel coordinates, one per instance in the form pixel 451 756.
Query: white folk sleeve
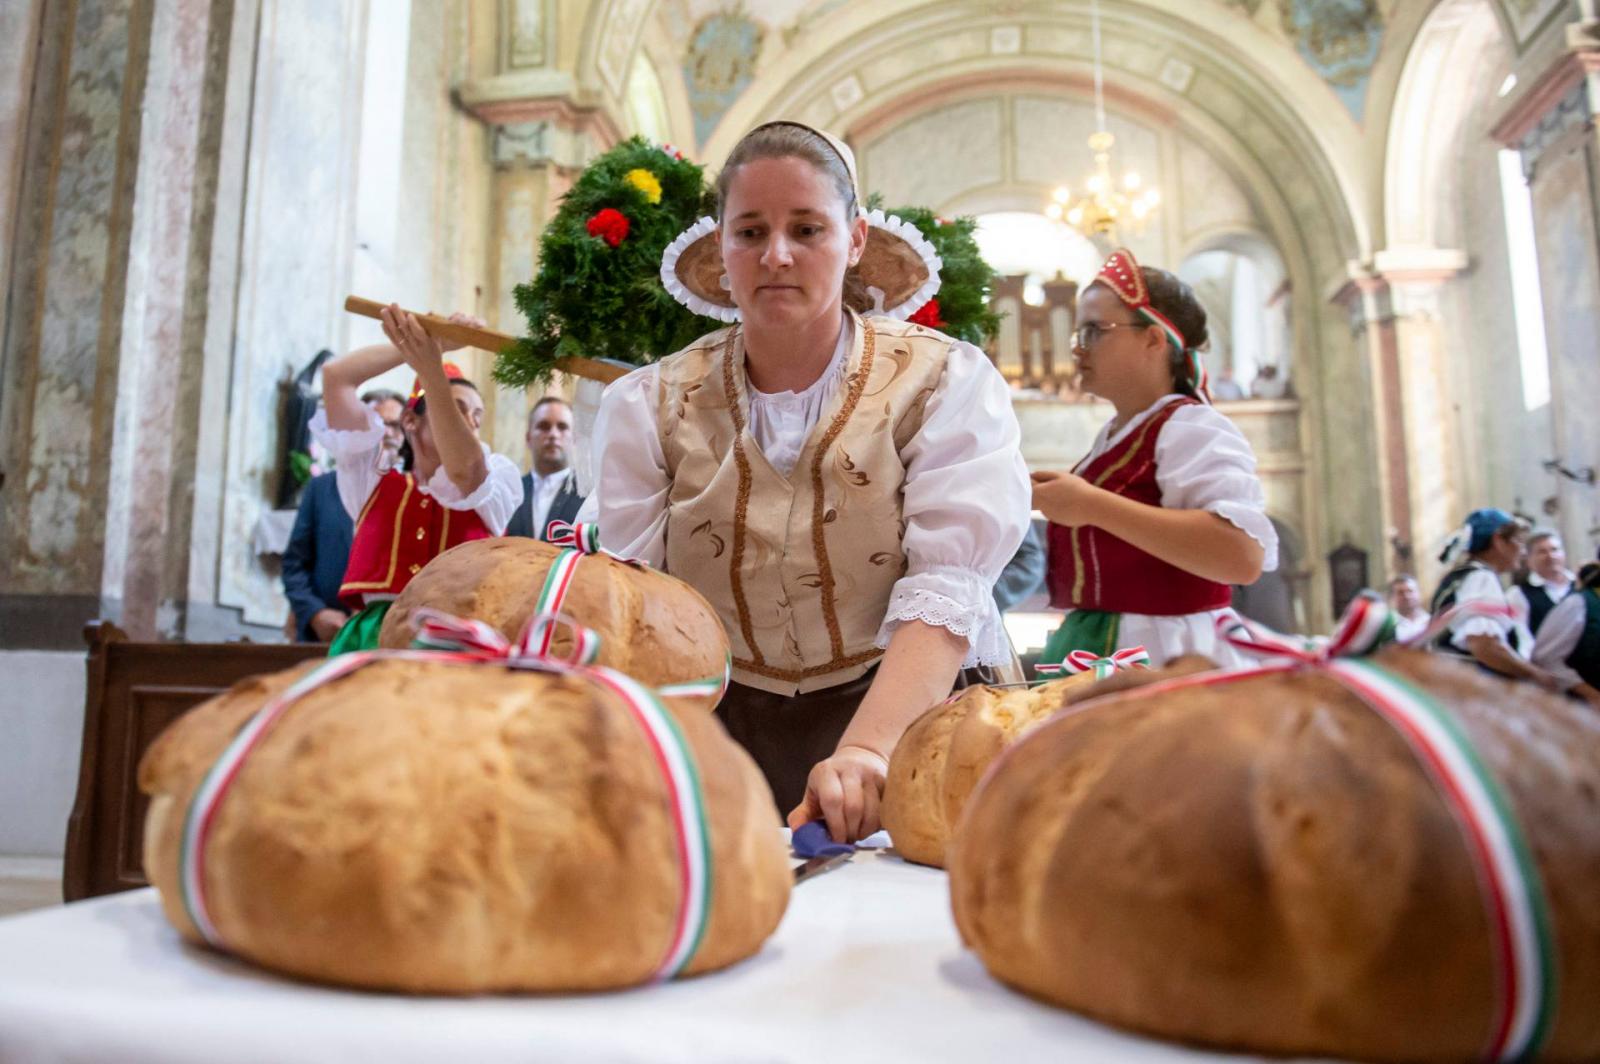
pixel 1203 462
pixel 631 485
pixel 966 509
pixel 1558 638
pixel 1480 585
pixel 495 499
pixel 355 454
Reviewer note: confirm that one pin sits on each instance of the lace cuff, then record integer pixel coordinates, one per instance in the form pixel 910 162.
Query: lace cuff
pixel 441 487
pixel 1253 523
pixel 957 600
pixel 342 442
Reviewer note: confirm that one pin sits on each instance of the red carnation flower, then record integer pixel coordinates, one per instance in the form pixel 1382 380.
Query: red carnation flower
pixel 928 315
pixel 610 225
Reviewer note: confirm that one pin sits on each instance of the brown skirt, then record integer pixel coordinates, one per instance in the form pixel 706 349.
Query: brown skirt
pixel 788 734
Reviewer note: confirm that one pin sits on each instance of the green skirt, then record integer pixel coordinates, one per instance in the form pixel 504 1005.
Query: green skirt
pixel 1092 630
pixel 360 632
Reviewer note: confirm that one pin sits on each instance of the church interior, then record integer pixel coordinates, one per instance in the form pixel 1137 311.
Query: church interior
pixel 1389 210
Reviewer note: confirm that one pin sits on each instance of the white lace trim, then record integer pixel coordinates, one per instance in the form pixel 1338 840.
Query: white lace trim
pixel 981 626
pixel 1249 520
pixel 904 230
pixel 341 442
pixel 679 291
pixel 891 224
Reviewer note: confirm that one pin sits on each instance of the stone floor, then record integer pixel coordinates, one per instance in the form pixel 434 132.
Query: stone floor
pixel 29 883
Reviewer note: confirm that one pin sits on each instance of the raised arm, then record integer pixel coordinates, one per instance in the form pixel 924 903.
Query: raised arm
pixel 343 377
pixel 459 450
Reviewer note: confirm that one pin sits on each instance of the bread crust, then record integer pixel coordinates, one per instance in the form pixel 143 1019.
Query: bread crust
pixel 446 828
pixel 652 626
pixel 1265 865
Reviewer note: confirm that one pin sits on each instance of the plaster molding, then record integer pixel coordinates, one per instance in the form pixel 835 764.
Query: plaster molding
pixel 1550 94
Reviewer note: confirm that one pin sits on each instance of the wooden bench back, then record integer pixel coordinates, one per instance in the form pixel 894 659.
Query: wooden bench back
pixel 134 691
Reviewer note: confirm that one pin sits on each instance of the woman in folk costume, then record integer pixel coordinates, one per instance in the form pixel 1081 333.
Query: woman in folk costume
pixel 1568 644
pixel 843 487
pixel 447 487
pixel 1495 543
pixel 1165 512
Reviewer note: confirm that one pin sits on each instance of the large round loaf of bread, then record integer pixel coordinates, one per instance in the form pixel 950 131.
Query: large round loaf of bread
pixel 652 626
pixel 1265 864
pixel 454 828
pixel 941 757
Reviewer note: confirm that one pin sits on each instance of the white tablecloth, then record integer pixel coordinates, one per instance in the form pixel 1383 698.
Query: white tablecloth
pixel 865 967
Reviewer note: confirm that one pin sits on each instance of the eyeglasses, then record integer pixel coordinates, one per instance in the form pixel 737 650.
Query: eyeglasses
pixel 1087 335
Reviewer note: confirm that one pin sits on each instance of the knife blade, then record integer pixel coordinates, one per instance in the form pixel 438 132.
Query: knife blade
pixel 818 865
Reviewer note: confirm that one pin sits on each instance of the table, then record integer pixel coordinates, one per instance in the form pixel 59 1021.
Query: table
pixel 866 966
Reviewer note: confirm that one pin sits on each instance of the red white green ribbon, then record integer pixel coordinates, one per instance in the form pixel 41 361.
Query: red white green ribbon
pixel 1084 660
pixel 583 537
pixel 1513 890
pixel 712 687
pixel 691 829
pixel 557 582
pixel 444 638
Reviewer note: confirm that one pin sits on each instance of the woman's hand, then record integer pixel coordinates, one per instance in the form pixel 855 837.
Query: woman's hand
pixel 1065 498
pixel 423 353
pixel 845 791
pixel 459 318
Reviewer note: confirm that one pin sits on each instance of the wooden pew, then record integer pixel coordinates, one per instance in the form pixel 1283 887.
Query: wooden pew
pixel 134 691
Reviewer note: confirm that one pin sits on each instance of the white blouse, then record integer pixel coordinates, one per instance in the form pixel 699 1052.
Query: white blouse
pixel 1482 584
pixel 966 496
pixel 1203 462
pixel 358 452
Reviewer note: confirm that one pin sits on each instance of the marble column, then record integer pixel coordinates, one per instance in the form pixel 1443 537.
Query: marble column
pixel 1552 125
pixel 63 332
pixel 1395 314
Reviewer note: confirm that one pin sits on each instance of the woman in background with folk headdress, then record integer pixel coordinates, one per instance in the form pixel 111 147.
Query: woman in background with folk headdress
pixel 843 486
pixel 1165 512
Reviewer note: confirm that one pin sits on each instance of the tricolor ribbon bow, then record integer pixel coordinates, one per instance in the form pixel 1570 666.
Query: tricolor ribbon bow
pixel 437 630
pixel 443 637
pixel 1084 660
pixel 1366 625
pixel 583 537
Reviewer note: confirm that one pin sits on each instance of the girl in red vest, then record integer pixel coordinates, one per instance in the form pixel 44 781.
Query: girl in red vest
pixel 447 487
pixel 1165 512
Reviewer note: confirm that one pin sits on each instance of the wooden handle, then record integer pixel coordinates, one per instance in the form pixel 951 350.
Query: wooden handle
pixel 488 340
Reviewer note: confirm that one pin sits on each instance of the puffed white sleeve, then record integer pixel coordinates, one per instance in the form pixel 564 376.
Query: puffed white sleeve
pixel 1558 638
pixel 1203 462
pixel 631 484
pixel 966 508
pixel 355 455
pixel 495 499
pixel 1483 586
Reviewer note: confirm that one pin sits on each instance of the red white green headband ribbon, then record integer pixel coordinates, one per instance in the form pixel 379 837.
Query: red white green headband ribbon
pixel 1084 661
pixel 1513 891
pixel 1123 275
pixel 450 639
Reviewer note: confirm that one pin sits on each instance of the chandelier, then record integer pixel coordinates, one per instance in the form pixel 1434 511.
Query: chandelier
pixel 1107 203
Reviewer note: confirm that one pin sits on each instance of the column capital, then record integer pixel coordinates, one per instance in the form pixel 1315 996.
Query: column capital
pixel 540 118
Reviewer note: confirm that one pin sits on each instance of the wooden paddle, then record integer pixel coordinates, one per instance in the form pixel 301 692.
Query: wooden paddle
pixel 489 340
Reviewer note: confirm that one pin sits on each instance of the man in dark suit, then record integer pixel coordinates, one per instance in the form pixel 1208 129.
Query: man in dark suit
pixel 549 491
pixel 319 547
pixel 315 560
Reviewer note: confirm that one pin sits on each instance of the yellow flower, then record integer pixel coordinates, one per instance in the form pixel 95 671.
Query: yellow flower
pixel 645 182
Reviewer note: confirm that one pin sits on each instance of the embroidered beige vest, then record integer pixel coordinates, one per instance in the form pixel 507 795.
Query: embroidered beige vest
pixel 799 568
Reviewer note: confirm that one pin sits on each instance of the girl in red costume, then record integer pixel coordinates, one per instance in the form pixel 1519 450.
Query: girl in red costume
pixel 447 488
pixel 1165 512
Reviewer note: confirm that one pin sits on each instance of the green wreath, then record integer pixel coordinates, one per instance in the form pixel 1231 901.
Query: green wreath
pixel 598 293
